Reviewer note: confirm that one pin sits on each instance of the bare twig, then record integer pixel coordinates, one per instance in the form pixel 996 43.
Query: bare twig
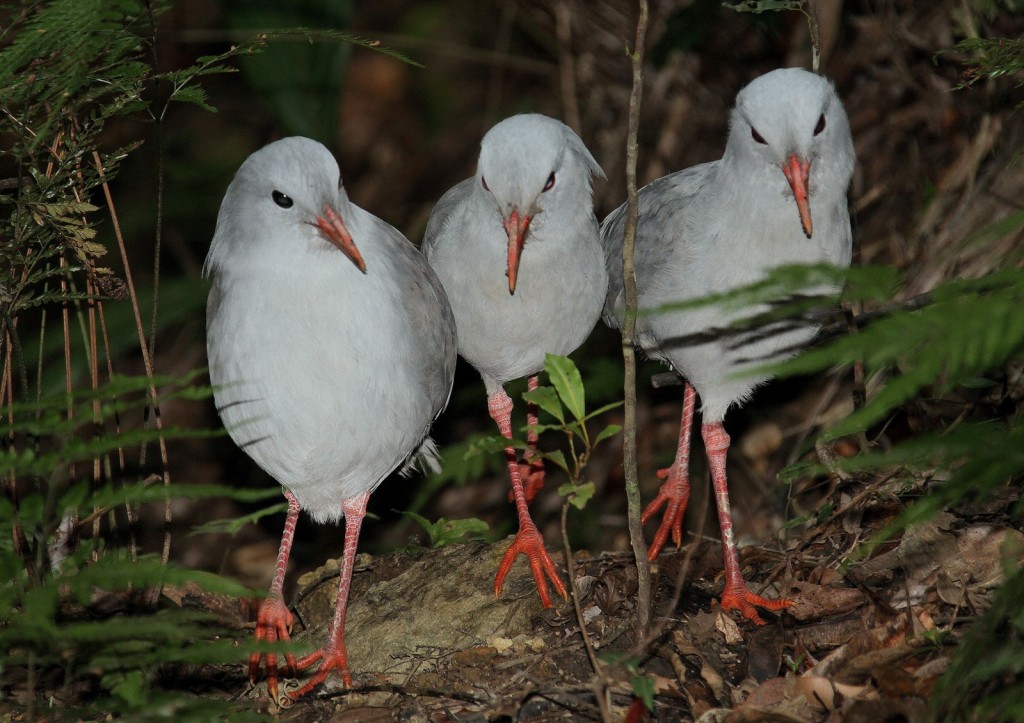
pixel 146 358
pixel 600 684
pixel 629 462
pixel 812 25
pixel 567 65
pixel 159 226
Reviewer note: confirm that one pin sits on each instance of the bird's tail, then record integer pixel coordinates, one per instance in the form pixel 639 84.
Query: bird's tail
pixel 426 459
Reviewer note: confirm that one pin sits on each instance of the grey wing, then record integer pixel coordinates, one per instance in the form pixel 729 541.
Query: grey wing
pixel 443 210
pixel 430 318
pixel 661 217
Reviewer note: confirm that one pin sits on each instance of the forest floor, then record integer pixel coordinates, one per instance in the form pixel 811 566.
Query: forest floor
pixel 864 639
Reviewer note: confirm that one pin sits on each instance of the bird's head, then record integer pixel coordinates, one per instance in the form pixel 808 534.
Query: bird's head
pixel 793 120
pixel 285 194
pixel 531 165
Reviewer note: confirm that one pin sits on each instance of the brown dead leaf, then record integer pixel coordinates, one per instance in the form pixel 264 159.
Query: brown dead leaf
pixel 713 679
pixel 764 652
pixel 984 548
pixel 727 627
pixel 922 550
pixel 829 694
pixel 828 634
pixel 816 602
pixel 770 693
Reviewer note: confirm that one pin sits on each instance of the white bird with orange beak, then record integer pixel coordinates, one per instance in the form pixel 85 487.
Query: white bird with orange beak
pixel 777 197
pixel 518 250
pixel 327 369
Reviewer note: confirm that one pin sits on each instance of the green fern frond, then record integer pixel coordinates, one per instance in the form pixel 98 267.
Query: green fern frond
pixel 971 327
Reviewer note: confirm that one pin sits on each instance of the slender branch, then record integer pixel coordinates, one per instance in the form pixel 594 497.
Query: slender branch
pixel 567 66
pixel 812 25
pixel 599 685
pixel 629 461
pixel 158 230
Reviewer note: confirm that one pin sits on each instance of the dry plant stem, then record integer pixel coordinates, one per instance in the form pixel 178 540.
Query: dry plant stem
pixel 146 358
pixel 567 65
pixel 812 25
pixel 662 623
pixel 66 327
pixel 636 532
pixel 600 686
pixel 94 383
pixel 131 513
pixel 158 230
pixel 15 358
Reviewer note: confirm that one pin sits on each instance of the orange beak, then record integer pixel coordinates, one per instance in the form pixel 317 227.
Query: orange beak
pixel 796 171
pixel 332 227
pixel 516 227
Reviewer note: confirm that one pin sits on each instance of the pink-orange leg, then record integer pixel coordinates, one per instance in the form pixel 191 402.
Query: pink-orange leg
pixel 736 595
pixel 333 656
pixel 528 540
pixel 531 469
pixel 274 621
pixel 675 490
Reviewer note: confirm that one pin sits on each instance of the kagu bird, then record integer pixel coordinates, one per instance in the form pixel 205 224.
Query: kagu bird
pixel 518 250
pixel 776 197
pixel 328 369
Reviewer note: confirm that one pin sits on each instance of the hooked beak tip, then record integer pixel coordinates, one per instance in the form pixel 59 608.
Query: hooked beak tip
pixel 332 227
pixel 797 171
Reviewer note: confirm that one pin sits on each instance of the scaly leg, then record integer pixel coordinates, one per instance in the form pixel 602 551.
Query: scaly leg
pixel 675 490
pixel 528 540
pixel 531 469
pixel 333 656
pixel 274 621
pixel 736 595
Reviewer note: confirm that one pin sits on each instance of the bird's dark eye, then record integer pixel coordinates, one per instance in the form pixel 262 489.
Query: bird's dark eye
pixel 757 136
pixel 821 124
pixel 551 182
pixel 282 200
pixel 483 182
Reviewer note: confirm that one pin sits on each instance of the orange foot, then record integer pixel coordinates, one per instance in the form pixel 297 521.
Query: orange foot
pixel 333 657
pixel 529 542
pixel 739 597
pixel 675 493
pixel 273 624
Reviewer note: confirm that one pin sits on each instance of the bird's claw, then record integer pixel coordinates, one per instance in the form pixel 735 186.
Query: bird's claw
pixel 273 624
pixel 331 658
pixel 739 597
pixel 529 542
pixel 673 495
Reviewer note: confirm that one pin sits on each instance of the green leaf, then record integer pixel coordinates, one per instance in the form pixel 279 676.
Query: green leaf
pixel 194 94
pixel 130 686
pixel 233 525
pixel 578 495
pixel 567 381
pixel 558 458
pixel 547 399
pixel 643 688
pixel 610 431
pixel 444 531
pixel 491 444
pixel 601 410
